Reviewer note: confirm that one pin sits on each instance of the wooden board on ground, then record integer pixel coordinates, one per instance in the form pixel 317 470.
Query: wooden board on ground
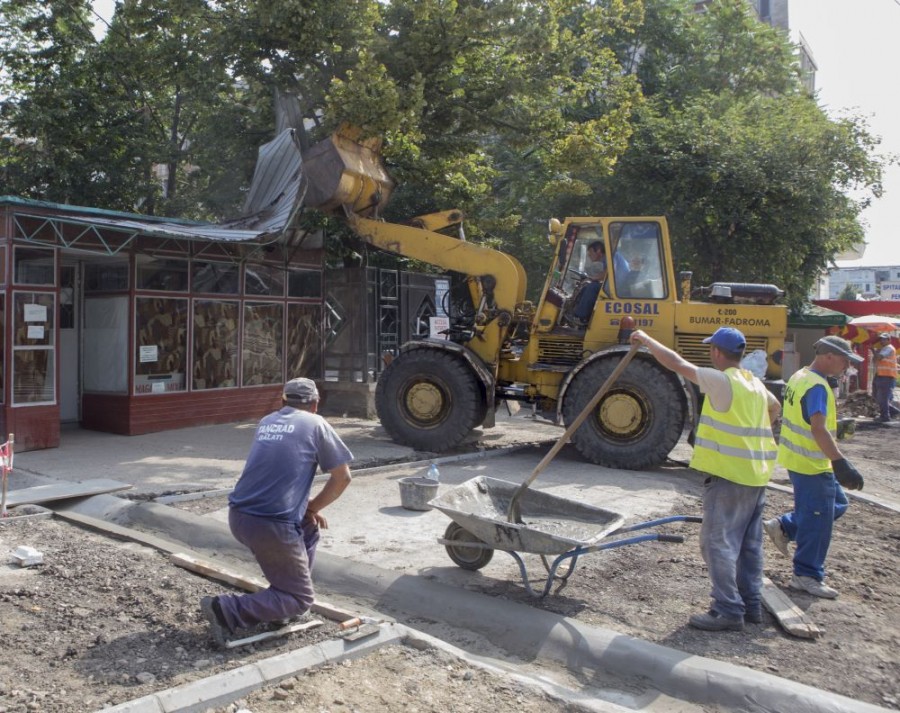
pixel 221 573
pixel 62 491
pixel 126 533
pixel 792 619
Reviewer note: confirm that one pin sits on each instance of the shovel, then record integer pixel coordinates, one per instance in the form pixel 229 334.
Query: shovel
pixel 514 514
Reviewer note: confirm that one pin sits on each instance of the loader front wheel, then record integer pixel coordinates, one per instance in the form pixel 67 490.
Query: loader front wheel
pixel 428 400
pixel 471 558
pixel 638 421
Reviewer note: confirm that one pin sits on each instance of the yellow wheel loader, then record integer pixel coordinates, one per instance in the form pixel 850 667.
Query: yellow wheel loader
pixel 556 353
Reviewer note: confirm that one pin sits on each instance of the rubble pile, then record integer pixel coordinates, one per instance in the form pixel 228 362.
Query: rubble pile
pixel 858 404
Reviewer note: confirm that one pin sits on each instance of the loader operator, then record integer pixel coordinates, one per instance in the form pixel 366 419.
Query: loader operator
pixel 734 446
pixel 597 273
pixel 271 513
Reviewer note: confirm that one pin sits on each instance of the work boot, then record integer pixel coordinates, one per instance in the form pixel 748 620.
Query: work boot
pixel 776 534
pixel 218 627
pixel 713 621
pixel 813 586
pixel 753 615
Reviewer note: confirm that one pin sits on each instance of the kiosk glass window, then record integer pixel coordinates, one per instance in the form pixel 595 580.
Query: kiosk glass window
pixel 163 274
pixel 220 278
pixel 264 280
pixel 161 350
pixel 262 348
pixel 304 283
pixel 2 348
pixel 34 266
pixel 304 341
pixel 34 349
pixel 104 344
pixel 215 355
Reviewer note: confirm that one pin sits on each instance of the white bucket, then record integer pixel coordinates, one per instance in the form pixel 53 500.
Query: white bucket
pixel 416 492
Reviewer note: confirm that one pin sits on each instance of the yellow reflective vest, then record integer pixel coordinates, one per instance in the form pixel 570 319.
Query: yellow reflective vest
pixel 737 444
pixel 797 449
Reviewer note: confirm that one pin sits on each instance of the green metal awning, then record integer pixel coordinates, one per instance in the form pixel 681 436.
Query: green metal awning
pixel 815 316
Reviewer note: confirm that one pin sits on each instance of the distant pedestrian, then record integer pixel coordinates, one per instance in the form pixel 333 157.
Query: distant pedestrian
pixel 817 469
pixel 270 511
pixel 734 446
pixel 885 378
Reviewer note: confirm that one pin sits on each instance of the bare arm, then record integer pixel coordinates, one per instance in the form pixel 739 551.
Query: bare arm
pixel 673 361
pixel 823 438
pixel 334 486
pixel 774 408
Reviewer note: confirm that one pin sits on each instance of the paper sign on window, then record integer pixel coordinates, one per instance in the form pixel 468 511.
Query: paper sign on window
pixel 149 353
pixel 35 313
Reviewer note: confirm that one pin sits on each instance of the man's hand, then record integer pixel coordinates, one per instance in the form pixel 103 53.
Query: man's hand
pixel 317 518
pixel 845 474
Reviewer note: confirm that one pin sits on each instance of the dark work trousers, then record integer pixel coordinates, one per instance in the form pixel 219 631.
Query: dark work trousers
pixel 285 552
pixel 882 390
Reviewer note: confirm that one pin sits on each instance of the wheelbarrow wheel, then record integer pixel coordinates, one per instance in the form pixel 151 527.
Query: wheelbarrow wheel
pixel 472 558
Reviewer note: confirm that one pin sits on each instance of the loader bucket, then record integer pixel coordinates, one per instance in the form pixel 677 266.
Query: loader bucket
pixel 343 170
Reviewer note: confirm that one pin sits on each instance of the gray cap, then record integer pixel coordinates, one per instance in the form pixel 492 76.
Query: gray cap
pixel 302 390
pixel 836 345
pixel 885 337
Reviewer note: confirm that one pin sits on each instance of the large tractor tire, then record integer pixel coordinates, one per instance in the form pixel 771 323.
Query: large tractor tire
pixel 429 400
pixel 638 421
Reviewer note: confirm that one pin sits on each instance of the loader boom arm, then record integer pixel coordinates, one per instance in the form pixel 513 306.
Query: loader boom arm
pixel 501 278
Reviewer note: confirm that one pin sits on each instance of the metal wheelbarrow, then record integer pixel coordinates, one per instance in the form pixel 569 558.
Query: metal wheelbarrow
pixel 558 529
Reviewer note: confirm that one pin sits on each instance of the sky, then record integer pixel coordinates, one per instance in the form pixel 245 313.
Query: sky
pixel 855 45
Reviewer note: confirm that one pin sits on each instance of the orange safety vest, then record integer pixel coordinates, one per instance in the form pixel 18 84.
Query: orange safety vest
pixel 887 366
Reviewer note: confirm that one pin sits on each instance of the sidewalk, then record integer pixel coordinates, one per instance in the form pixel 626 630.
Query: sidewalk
pixel 212 457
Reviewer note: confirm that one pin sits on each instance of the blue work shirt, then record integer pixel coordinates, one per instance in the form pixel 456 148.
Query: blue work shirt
pixel 288 447
pixel 815 400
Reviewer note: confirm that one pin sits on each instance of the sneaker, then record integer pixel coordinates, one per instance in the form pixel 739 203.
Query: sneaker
pixel 813 586
pixel 776 534
pixel 212 612
pixel 713 621
pixel 754 615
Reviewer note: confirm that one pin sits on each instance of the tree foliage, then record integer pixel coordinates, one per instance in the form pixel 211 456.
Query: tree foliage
pixel 514 111
pixel 755 178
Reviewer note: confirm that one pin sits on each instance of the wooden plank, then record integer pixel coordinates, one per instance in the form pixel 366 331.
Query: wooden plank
pixel 194 562
pixel 126 533
pixel 792 619
pixel 63 491
pixel 217 571
pixel 283 631
pixel 221 573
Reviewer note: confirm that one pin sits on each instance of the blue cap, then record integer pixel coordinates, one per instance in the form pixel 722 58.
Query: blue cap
pixel 728 339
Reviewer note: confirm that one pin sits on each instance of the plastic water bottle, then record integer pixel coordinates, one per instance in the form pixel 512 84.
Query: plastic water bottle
pixel 433 473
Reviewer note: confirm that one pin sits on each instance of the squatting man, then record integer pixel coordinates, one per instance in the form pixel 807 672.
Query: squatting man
pixel 271 513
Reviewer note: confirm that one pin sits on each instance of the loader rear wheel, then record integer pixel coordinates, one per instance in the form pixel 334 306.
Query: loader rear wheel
pixel 636 424
pixel 429 400
pixel 471 558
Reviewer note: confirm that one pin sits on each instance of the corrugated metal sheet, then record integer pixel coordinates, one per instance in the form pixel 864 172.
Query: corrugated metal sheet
pixel 276 193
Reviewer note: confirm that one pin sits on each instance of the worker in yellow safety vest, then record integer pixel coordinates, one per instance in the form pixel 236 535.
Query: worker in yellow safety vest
pixel 817 469
pixel 734 446
pixel 885 378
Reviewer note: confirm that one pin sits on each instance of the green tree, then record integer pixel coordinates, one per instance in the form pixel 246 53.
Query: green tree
pixel 849 292
pixel 503 109
pixel 147 119
pixel 754 177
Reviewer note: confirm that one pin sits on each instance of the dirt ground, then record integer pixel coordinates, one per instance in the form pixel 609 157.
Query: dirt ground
pixel 104 621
